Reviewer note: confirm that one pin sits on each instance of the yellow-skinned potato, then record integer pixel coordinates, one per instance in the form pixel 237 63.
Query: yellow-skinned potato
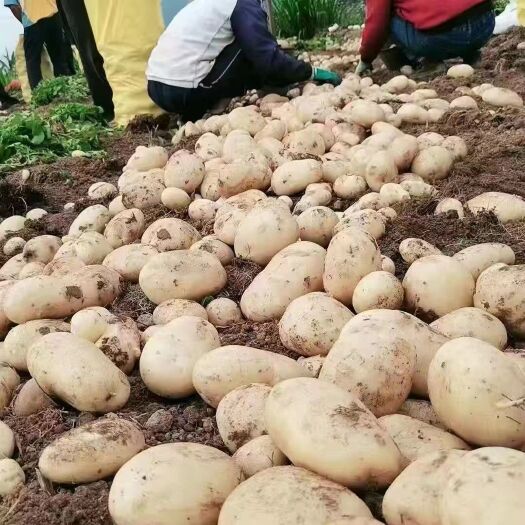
pixel 476 392
pixel 223 312
pixel 9 381
pixel 31 399
pixel 153 177
pixel 77 372
pixel 393 193
pixel 429 139
pixel 247 119
pixel 417 188
pixel 502 97
pixel 325 132
pixel 21 337
pixel 370 201
pixel 202 210
pixel 422 410
pixel 413 114
pixel 505 206
pixel 249 172
pixel 317 224
pixel 116 206
pixel 388 265
pixel 412 249
pixel 63 266
pixel 12 477
pixel 102 190
pixel 208 147
pixel 472 322
pixel 288 494
pixel 329 431
pixel 293 272
pixel 351 255
pixel 170 234
pixel 41 249
pixel 294 176
pixel 312 323
pixel 91 323
pixel 333 169
pixel 450 205
pixel 364 112
pixel 222 370
pixel 93 218
pixel 259 454
pixel 146 158
pixel 125 228
pixel 31 270
pixel 433 163
pixel 380 170
pixel 275 129
pixel 182 274
pixel 7 441
pixel 479 257
pixel 185 171
pixel 367 220
pixel 90 247
pixel 91 452
pixel 303 142
pixel 237 144
pixel 173 308
pixel 240 415
pixel 191 480
pixel 175 199
pixel 378 290
pixel 168 358
pixel 142 195
pixel 14 246
pixel 12 224
pixel 129 260
pixel 121 343
pixel 12 267
pixel 213 245
pixel 457 146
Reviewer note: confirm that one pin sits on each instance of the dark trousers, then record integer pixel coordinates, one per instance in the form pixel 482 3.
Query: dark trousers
pixel 463 40
pixel 77 20
pixel 48 32
pixel 231 76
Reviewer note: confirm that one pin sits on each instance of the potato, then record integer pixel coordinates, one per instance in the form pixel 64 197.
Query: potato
pixel 170 234
pixel 9 381
pixel 413 114
pixel 274 128
pixel 312 323
pixel 351 255
pixel 21 337
pixel 213 245
pixel 50 297
pixel 436 285
pixel 102 190
pixel 63 266
pixel 214 123
pixel 191 480
pixel 77 372
pixel 316 225
pixel 152 177
pixel 185 171
pixel 12 224
pixel 325 132
pixel 472 322
pixel 294 176
pixel 175 199
pixel 91 452
pixel 365 113
pixel 476 392
pixel 91 323
pixel 202 210
pixel 392 193
pixel 251 171
pixel 129 260
pixel 387 265
pixel 31 270
pixel 240 415
pixel 293 272
pixel 41 249
pixel 90 247
pixel 237 144
pixel 430 139
pixel 330 432
pixel 380 170
pixel 208 147
pixel 380 141
pixel 479 257
pixel 222 370
pixel 370 201
pixel 418 189
pixel 125 228
pixel 7 441
pixel 12 477
pixel 267 229
pixel 415 495
pixel 433 163
pixel 464 102
pixel 506 207
pixel 31 399
pixel 12 267
pixel 223 312
pixel 460 71
pixel 447 205
pixel 457 146
pixel 412 249
pixel 333 169
pixel 305 142
pixel 146 158
pixel 397 84
pixel 168 358
pixel 116 206
pixel 422 410
pixel 36 214
pixel 502 97
pixel 93 218
pixel 350 186
pixel 378 290
pixel 258 454
pixel 182 274
pixel 247 119
pixel 174 308
pixel 142 195
pixel 403 150
pixel 14 246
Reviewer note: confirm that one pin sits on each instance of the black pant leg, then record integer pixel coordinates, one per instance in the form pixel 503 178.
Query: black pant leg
pixel 77 18
pixel 33 47
pixel 55 44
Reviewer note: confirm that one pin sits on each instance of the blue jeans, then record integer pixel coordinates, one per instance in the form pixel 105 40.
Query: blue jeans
pixel 463 40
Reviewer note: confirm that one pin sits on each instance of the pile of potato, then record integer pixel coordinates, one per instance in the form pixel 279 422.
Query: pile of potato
pixel 402 386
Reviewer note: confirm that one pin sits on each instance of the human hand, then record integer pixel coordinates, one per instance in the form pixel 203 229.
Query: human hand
pixel 362 68
pixel 326 77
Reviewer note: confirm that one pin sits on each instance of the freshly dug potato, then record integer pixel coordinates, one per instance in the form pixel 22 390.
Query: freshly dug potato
pixel 12 267
pixel 290 494
pixel 312 323
pixel 457 146
pixel 170 234
pixel 460 71
pixel 251 171
pixel 116 206
pixel 208 147
pixel 464 102
pixel 274 128
pixel 267 229
pixel 370 201
pixel 388 265
pixel 433 163
pixel 416 439
pixel 63 266
pixel 222 370
pixel 412 249
pixel 418 189
pixel 305 141
pixel 91 452
pixel 77 372
pixel 247 119
pixel 506 207
pixel 31 270
pixel 378 290
pixel 129 260
pixel 350 186
pixel 472 322
pixel 152 177
pixel 477 392
pixel 364 112
pixel 9 381
pixel 125 228
pixel 380 170
pixel 317 224
pixel 293 272
pixel 403 150
pixel 174 308
pixel 450 205
pixel 367 220
pixel 436 285
pixel 142 195
pixel 102 190
pixel 351 255
pixel 259 454
pixel 185 171
pixel 223 312
pixel 502 97
pixel 392 193
pixel 168 358
pixel 240 415
pixel 415 495
pixel 413 114
pixel 91 323
pixel 12 224
pixel 41 249
pixel 14 246
pixel 330 432
pixel 202 210
pixel 93 218
pixel 12 476
pixel 294 176
pixel 50 297
pixel 213 245
pixel 237 144
pixel 422 410
pixel 90 247
pixel 7 441
pixel 147 158
pixel 191 480
pixel 333 169
pixel 479 257
pixel 175 199
pixel 31 399
pixel 21 337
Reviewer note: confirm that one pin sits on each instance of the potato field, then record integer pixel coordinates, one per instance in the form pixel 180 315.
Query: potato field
pixel 307 310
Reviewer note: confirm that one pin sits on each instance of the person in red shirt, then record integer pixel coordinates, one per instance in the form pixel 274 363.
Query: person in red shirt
pixel 432 30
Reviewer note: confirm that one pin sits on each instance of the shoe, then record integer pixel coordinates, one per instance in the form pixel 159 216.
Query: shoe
pixel 220 106
pixel 426 67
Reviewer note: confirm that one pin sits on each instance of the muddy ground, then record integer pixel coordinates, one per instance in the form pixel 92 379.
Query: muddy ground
pixel 496 161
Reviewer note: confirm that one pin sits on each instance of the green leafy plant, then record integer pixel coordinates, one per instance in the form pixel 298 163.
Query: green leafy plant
pixel 500 5
pixel 70 89
pixel 7 69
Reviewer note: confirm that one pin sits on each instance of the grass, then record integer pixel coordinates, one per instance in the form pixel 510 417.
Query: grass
pixel 7 69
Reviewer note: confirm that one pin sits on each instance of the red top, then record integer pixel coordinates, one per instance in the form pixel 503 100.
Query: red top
pixel 423 14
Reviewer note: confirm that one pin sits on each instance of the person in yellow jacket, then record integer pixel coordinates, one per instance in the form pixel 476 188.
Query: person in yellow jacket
pixel 42 26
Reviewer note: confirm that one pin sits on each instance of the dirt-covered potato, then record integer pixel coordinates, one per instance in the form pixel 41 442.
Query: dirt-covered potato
pixel 93 218
pixel 247 119
pixel 251 171
pixel 502 97
pixel 479 257
pixel 476 391
pixel 258 454
pixel 202 210
pixel 312 323
pixel 102 190
pixel 125 228
pixel 191 480
pixel 170 234
pixel 142 195
pixel 213 245
pixel 7 441
pixel 433 163
pixel 378 290
pixel 220 371
pixel 506 207
pixel 367 220
pixel 168 358
pixel 412 249
pixel 91 323
pixel 381 169
pixel 305 142
pixel 350 186
pixel 185 171
pixel 90 247
pixel 31 399
pixel 146 158
pixel 12 476
pixel 9 381
pixel 208 146
pixel 422 410
pixel 447 205
pixel 294 176
pixel 91 452
pixel 77 372
pixel 223 312
pixel 364 112
pixel 41 249
pixel 173 308
pixel 63 266
pixel 129 260
pixel 31 270
pixel 14 246
pixel 316 224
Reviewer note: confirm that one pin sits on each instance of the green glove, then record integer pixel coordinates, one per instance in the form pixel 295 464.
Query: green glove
pixel 326 77
pixel 363 67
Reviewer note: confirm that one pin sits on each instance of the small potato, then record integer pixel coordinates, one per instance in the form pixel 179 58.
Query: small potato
pixel 174 308
pixel 129 260
pixel 433 163
pixel 457 146
pixel 41 249
pixel 91 452
pixel 91 323
pixel 413 114
pixel 387 265
pixel 14 246
pixel 378 290
pixel 464 102
pixel 170 234
pixel 12 267
pixel 429 139
pixel 102 190
pixel 175 199
pixel 412 249
pixel 208 147
pixel 223 312
pixel 12 224
pixel 116 206
pixel 506 207
pixel 258 454
pixel 460 71
pixel 450 205
pixel 388 213
pixel 31 399
pixel 12 477
pixel 275 129
pixel 418 189
pixel 125 228
pixel 392 193
pixel 213 245
pixel 185 171
pixel 93 218
pixel 479 257
pixel 333 169
pixel 370 201
pixel 317 224
pixel 312 364
pixel 202 210
pixel 422 410
pixel 350 186
pixel 380 170
pixel 36 214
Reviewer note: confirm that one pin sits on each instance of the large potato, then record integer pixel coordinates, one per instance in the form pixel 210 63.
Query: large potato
pixel 259 454
pixel 506 207
pixel 305 142
pixel 240 415
pixel 93 218
pixel 124 228
pixel 351 255
pixel 478 392
pixel 170 234
pixel 294 176
pixel 184 170
pixel 378 290
pixel 168 358
pixel 472 322
pixel 436 285
pixel 286 495
pixel 77 372
pixel 182 274
pixel 173 484
pixel 312 323
pixel 220 371
pixel 479 257
pixel 329 431
pixel 293 272
pixel 91 452
pixel 129 260
pixel 247 119
pixel 90 247
pixel 250 171
pixel 433 163
pixel 142 195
